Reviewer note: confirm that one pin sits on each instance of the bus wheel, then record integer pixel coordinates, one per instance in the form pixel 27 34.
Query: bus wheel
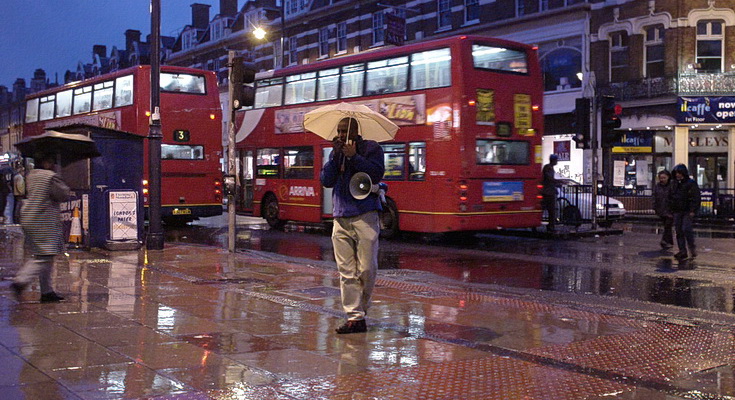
pixel 271 213
pixel 389 220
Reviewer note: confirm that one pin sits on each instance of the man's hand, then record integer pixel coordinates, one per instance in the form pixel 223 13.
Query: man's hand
pixel 349 149
pixel 337 145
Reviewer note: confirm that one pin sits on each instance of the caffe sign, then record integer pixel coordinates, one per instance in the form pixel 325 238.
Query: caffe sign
pixel 714 110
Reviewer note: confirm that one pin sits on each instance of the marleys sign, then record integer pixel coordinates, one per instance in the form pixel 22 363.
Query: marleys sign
pixel 706 109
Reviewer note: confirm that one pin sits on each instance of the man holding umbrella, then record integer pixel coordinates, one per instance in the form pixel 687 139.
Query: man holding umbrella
pixel 356 222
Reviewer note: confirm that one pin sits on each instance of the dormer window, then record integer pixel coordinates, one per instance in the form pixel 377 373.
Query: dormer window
pixel 216 29
pixel 188 39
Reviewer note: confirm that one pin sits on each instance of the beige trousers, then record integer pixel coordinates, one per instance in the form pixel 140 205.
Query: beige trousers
pixel 355 241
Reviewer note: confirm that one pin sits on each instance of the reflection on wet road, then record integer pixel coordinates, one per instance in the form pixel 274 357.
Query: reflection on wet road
pixel 624 266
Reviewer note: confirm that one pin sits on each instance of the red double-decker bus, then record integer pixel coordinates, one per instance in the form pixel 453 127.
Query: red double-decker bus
pixel 467 155
pixel 191 120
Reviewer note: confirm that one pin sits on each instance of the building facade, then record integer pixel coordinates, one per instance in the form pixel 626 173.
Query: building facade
pixel 671 65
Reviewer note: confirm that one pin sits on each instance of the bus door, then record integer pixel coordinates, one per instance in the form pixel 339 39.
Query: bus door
pixel 245 176
pixel 326 192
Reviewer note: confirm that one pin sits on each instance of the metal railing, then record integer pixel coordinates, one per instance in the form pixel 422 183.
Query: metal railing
pixel 717 203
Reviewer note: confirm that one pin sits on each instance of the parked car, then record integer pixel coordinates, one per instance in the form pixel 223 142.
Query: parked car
pixel 575 204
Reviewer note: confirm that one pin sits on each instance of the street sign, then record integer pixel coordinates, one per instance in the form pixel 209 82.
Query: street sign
pixel 396 29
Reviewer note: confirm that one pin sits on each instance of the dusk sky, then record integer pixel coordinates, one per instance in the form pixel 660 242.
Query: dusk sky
pixel 56 34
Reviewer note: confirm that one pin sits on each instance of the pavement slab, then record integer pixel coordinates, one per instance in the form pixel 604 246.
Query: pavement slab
pixel 197 322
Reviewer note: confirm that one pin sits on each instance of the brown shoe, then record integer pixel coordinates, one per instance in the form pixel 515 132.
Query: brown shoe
pixel 352 326
pixel 51 297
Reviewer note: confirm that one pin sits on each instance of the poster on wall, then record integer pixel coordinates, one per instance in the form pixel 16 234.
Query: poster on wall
pixel 563 150
pixel 485 107
pixel 618 173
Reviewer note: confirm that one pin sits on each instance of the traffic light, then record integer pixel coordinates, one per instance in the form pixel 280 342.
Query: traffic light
pixel 242 75
pixel 581 123
pixel 610 120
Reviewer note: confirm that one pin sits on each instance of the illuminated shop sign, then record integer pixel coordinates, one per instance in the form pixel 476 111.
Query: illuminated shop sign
pixel 703 110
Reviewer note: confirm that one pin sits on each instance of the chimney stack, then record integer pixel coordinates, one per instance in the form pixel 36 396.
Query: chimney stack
pixel 99 50
pixel 200 15
pixel 228 7
pixel 131 36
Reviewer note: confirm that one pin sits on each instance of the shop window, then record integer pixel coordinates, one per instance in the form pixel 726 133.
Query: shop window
pixel 444 14
pixel 471 11
pixel 341 37
pixel 324 42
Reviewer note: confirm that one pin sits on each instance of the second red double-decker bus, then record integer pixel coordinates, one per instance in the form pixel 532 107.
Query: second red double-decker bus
pixel 191 123
pixel 467 155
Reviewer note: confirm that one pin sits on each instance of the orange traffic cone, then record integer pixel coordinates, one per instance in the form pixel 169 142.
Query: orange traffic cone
pixel 75 233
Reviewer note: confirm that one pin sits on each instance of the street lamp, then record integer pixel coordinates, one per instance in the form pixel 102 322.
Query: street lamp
pixel 259 33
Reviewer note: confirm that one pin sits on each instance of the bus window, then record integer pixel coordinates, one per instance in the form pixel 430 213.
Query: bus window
pixel 352 79
pixel 499 59
pixel 124 91
pixel 416 161
pixel 182 83
pixel 300 88
pixel 47 107
pixel 32 110
pixel 430 69
pixel 266 164
pixel 327 84
pixel 82 100
pixel 181 152
pixel 63 104
pixel 298 162
pixel 502 152
pixel 102 99
pixel 394 156
pixel 268 93
pixel 387 76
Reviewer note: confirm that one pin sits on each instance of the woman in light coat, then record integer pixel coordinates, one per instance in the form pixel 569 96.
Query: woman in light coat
pixel 41 222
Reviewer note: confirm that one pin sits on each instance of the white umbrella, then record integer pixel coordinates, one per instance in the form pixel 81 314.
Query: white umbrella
pixel 323 121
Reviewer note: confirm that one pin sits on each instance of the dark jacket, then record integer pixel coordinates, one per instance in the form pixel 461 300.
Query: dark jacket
pixel 662 198
pixel 369 159
pixel 685 196
pixel 549 181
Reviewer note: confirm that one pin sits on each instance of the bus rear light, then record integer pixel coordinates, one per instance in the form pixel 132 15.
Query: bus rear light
pixel 145 191
pixel 462 198
pixel 535 107
pixel 145 182
pixel 471 103
pixel 212 116
pixel 147 113
pixel 217 190
pixel 539 197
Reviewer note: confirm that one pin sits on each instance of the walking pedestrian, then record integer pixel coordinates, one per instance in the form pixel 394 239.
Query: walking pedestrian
pixel 356 227
pixel 4 193
pixel 685 202
pixel 41 223
pixel 661 198
pixel 548 191
pixel 19 191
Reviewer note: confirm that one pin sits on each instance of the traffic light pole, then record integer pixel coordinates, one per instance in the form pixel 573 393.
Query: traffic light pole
pixel 154 238
pixel 230 181
pixel 594 143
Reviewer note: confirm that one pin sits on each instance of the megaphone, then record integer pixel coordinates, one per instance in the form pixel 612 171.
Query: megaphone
pixel 361 186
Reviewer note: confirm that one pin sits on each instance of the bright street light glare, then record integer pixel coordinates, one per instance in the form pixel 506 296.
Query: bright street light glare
pixel 259 33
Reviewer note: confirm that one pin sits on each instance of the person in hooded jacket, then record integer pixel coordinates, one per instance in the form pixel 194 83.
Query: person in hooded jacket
pixel 685 200
pixel 661 205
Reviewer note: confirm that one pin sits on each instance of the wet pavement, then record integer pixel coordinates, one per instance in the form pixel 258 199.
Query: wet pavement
pixel 196 322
